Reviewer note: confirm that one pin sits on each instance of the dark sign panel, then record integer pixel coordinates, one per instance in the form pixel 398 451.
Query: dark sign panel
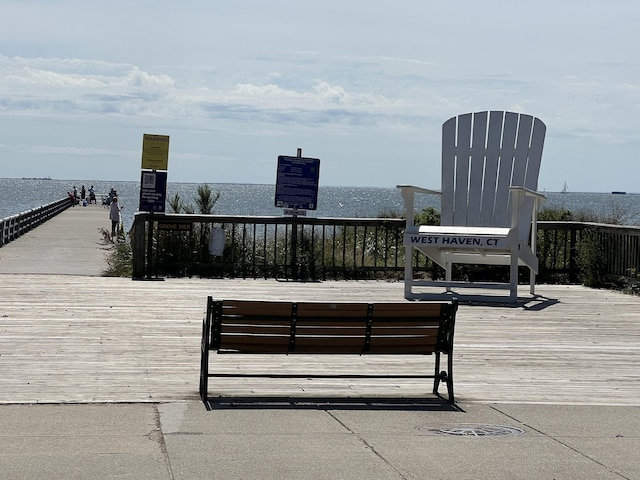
pixel 297 182
pixel 167 226
pixel 153 191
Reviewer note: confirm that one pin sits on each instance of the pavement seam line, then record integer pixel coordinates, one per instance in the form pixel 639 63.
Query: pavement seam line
pixel 608 468
pixel 158 436
pixel 366 444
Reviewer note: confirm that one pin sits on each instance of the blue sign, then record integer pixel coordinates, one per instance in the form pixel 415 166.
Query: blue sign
pixel 297 182
pixel 153 191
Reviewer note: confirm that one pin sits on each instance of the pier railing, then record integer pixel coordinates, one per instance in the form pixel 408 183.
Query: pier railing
pixel 16 225
pixel 305 248
pixel 301 248
pixel 587 252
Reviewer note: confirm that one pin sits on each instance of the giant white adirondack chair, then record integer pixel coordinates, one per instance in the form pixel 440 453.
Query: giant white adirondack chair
pixel 490 165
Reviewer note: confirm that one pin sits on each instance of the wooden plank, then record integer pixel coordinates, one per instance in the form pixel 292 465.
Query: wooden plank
pixel 332 310
pixel 66 338
pixel 229 340
pixel 337 329
pixel 401 343
pixel 494 137
pixel 463 154
pixel 256 308
pixel 324 349
pixel 405 310
pixel 76 235
pixel 253 329
pixel 394 328
pixel 477 168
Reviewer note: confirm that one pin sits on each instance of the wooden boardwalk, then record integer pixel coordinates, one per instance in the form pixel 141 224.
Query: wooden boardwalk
pixel 83 339
pixel 76 337
pixel 71 243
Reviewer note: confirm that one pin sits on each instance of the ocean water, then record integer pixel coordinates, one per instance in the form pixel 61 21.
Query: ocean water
pixel 19 195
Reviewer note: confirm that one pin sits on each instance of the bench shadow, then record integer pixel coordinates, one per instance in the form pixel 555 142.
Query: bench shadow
pixel 437 403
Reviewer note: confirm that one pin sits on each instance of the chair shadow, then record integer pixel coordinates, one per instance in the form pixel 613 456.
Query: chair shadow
pixel 535 303
pixel 434 404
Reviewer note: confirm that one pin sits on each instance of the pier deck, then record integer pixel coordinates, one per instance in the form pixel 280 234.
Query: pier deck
pixel 68 244
pixel 80 339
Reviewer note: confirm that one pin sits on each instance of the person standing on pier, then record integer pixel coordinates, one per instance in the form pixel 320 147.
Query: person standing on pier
pixel 114 215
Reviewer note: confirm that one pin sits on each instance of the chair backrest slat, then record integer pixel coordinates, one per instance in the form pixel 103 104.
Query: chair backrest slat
pixel 494 138
pixel 461 183
pixel 478 152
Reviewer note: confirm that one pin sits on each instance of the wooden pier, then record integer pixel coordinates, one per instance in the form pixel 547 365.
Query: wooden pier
pixel 70 335
pixel 69 244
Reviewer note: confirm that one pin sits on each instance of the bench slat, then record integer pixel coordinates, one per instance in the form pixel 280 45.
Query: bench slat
pixel 249 320
pixel 412 309
pixel 405 350
pixel 256 308
pixel 256 330
pixel 253 348
pixel 401 340
pixel 404 330
pixel 320 349
pixel 331 310
pixel 254 343
pixel 331 332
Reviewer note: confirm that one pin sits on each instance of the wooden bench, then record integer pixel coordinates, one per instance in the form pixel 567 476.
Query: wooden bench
pixel 277 327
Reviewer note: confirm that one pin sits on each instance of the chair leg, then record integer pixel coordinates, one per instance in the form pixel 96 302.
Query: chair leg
pixel 408 272
pixel 513 277
pixel 532 282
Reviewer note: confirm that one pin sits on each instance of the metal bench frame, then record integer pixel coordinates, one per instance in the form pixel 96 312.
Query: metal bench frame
pixel 263 327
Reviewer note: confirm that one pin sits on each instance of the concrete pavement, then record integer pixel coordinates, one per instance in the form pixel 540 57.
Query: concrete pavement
pixel 185 441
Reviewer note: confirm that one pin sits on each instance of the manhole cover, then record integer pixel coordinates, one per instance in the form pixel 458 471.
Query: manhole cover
pixel 472 430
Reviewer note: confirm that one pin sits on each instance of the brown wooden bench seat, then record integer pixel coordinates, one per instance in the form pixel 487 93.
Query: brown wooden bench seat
pixel 277 327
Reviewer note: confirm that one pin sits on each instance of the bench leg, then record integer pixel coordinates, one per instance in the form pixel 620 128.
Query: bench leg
pixel 204 362
pixel 446 376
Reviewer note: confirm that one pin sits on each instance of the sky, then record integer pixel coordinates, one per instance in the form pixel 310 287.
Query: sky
pixel 363 85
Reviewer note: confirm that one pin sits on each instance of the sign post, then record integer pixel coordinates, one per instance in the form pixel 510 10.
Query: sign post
pixel 297 192
pixel 153 183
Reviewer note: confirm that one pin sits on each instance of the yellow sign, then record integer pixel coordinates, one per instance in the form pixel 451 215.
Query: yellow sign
pixel 155 152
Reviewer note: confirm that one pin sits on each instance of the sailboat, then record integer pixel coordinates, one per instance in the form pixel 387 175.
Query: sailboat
pixel 565 189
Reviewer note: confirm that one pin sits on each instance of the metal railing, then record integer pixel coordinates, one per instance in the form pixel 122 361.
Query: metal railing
pixel 301 248
pixel 16 225
pixel 304 248
pixel 571 248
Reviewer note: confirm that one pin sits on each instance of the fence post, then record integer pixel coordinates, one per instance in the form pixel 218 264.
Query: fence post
pixel 294 248
pixel 138 237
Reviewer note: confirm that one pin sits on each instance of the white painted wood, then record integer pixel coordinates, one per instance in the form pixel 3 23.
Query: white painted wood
pixel 485 156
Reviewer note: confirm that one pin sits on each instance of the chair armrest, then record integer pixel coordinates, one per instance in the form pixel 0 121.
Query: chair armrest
pixel 408 197
pixel 518 196
pixel 530 193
